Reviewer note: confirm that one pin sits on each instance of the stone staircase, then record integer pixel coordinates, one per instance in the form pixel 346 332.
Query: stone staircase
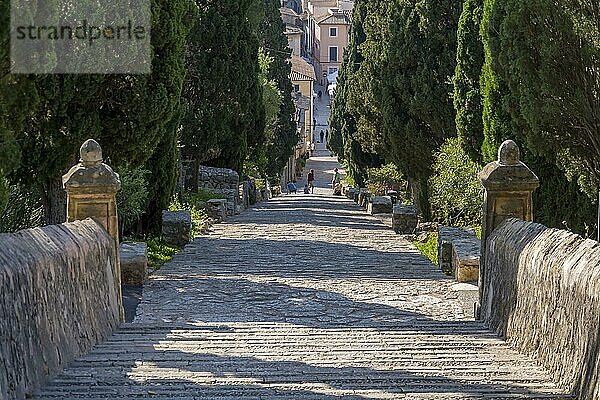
pixel 302 297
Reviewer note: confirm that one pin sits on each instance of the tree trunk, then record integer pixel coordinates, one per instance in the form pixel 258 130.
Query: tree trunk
pixel 195 175
pixel 54 200
pixel 419 188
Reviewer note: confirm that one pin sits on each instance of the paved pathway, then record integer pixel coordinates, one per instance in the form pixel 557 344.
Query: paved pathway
pixel 302 297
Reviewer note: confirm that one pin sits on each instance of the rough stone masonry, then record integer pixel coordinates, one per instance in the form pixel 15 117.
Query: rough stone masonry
pixel 58 299
pixel 222 181
pixel 543 294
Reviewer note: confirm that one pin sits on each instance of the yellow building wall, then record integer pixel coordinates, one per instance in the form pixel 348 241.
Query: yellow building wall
pixel 307 88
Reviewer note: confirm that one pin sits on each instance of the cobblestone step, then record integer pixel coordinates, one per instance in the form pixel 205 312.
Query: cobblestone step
pixel 303 297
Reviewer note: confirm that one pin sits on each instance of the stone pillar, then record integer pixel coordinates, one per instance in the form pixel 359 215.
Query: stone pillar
pixel 509 185
pixel 91 189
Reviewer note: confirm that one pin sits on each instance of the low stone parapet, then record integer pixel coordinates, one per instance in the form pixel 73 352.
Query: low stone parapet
pixel 363 197
pixel 404 219
pixel 217 209
pixel 465 259
pixel 222 181
pixel 134 263
pixel 543 295
pixel 58 300
pixel 464 265
pixel 176 227
pixel 350 191
pixel 379 205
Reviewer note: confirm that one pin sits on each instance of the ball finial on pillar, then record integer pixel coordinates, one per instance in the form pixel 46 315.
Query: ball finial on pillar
pixel 509 153
pixel 90 153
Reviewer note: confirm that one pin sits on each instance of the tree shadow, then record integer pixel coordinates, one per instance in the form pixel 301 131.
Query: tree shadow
pixel 169 368
pixel 225 300
pixel 316 258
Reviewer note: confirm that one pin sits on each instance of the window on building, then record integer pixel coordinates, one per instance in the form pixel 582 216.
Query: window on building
pixel 332 32
pixel 333 54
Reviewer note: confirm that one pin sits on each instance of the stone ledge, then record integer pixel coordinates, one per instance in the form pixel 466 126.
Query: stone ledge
pixel 176 227
pixel 542 294
pixel 465 259
pixel 459 252
pixel 404 219
pixel 134 263
pixel 379 205
pixel 62 274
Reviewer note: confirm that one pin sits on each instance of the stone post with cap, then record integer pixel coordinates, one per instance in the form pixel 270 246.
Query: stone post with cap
pixel 91 188
pixel 509 185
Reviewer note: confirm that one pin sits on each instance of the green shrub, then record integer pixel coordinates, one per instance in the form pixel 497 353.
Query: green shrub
pixel 199 198
pixel 455 190
pixel 195 203
pixel 132 198
pixel 260 184
pixel 387 177
pixel 22 209
pixel 429 248
pixel 159 253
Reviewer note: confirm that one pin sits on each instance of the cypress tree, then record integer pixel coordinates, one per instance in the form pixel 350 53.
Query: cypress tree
pixel 343 136
pixel 224 109
pixel 507 96
pixel 274 42
pixel 467 87
pixel 418 114
pixel 551 53
pixel 127 114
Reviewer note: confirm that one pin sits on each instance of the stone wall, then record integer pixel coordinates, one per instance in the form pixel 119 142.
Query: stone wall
pixel 543 295
pixel 222 181
pixel 58 299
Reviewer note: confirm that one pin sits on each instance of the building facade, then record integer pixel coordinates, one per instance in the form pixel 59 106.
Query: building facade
pixel 303 81
pixel 332 35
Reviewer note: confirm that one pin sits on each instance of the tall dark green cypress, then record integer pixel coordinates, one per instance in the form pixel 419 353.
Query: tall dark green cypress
pixel 508 94
pixel 342 138
pixel 224 109
pixel 418 114
pixel 467 86
pixel 275 44
pixel 127 114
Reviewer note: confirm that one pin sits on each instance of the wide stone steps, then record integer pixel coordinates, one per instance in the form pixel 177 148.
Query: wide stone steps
pixel 303 297
pixel 460 360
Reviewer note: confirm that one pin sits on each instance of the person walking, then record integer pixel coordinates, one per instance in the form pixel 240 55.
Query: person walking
pixel 322 135
pixel 311 180
pixel 312 149
pixel 336 183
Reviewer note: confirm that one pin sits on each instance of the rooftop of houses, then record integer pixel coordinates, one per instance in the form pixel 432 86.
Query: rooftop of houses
pixel 292 30
pixel 302 70
pixel 335 16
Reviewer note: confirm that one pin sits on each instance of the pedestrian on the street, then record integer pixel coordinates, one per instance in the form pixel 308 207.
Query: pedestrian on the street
pixel 320 94
pixel 291 187
pixel 326 133
pixel 336 183
pixel 312 149
pixel 322 135
pixel 311 180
